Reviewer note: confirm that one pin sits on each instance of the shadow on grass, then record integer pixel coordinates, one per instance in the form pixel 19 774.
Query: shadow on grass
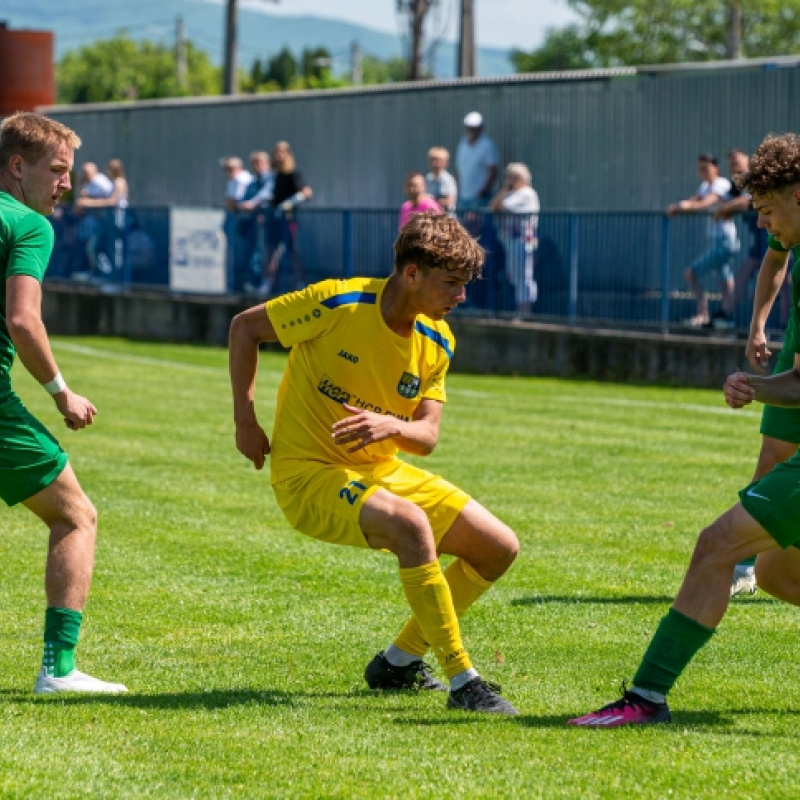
pixel 710 721
pixel 623 600
pixel 212 699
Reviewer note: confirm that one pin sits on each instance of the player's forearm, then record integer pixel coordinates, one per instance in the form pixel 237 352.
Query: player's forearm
pixel 243 365
pixel 33 347
pixel 770 279
pixel 777 390
pixel 418 437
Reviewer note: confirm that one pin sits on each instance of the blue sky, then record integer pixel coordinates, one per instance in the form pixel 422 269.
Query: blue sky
pixel 499 23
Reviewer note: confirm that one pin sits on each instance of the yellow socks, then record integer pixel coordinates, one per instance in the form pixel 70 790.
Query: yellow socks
pixel 466 586
pixel 428 594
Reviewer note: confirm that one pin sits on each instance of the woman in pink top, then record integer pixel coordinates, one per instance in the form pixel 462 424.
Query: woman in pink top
pixel 418 202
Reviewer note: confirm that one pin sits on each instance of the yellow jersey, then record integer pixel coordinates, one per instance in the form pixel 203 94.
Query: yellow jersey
pixel 342 351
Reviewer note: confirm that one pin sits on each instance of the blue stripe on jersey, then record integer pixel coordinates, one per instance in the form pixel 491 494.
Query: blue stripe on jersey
pixel 434 336
pixel 350 297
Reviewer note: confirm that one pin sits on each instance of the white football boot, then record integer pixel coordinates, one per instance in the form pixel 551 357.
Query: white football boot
pixel 744 581
pixel 76 681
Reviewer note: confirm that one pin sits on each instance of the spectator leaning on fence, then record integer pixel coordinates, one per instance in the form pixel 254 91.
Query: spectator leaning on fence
pixel 237 181
pixel 418 201
pixel 476 165
pixel 256 200
pixel 289 192
pixel 723 243
pixel 439 183
pixel 519 204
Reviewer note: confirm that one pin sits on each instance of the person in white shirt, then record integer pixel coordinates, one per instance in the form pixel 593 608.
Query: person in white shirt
pixel 518 203
pixel 237 181
pixel 476 165
pixel 723 243
pixel 439 183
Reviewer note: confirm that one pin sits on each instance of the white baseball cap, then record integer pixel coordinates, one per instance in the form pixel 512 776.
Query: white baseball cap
pixel 473 120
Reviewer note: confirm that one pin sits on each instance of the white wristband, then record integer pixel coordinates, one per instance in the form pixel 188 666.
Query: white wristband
pixel 58 384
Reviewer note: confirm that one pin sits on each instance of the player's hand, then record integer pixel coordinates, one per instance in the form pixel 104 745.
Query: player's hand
pixel 757 352
pixel 721 214
pixel 672 209
pixel 738 391
pixel 78 412
pixel 252 442
pixel 363 428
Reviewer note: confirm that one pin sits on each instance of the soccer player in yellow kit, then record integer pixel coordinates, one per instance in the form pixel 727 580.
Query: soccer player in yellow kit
pixel 366 379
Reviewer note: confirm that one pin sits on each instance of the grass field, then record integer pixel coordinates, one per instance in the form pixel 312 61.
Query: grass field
pixel 244 643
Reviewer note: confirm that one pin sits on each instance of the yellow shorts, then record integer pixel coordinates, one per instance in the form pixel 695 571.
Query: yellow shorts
pixel 324 502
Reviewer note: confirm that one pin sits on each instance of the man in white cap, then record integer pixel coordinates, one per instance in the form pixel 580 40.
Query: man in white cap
pixel 476 165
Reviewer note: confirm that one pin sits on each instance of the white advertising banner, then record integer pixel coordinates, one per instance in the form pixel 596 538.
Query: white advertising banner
pixel 197 248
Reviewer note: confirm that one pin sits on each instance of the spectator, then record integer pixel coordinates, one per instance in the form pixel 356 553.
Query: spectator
pixel 95 190
pixel 439 183
pixel 418 201
pixel 519 204
pixel 110 243
pixel 252 208
pixel 290 191
pixel 740 203
pixel 723 242
pixel 237 181
pixel 94 184
pixel 476 165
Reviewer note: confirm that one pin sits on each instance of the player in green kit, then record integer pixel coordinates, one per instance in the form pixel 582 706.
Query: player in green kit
pixel 766 520
pixel 36 156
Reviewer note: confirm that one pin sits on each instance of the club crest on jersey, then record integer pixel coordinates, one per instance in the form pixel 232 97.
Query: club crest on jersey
pixel 408 386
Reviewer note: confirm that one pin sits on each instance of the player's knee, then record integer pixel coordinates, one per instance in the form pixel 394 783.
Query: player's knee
pixel 81 515
pixel 716 545
pixel 408 531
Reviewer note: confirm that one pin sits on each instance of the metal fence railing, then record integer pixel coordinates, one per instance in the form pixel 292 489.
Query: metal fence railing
pixel 613 268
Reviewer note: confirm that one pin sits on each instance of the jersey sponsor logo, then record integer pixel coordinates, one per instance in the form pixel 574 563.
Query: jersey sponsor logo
pixel 348 356
pixel 340 395
pixel 408 386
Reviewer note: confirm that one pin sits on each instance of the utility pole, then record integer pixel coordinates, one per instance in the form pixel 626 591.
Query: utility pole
pixel 356 72
pixel 735 30
pixel 230 84
pixel 230 79
pixel 181 62
pixel 417 10
pixel 466 40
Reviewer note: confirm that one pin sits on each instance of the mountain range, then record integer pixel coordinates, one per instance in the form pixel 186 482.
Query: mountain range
pixel 261 34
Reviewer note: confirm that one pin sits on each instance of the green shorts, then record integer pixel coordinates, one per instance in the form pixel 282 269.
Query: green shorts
pixel 774 502
pixel 30 457
pixel 784 423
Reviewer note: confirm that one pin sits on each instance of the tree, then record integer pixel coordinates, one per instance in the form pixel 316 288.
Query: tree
pixel 285 72
pixel 122 69
pixel 375 70
pixel 630 32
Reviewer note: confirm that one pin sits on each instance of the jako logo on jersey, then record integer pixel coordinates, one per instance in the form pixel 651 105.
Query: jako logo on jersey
pixel 408 386
pixel 348 356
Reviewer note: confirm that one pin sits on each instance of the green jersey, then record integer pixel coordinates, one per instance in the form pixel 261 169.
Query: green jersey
pixel 774 244
pixel 26 242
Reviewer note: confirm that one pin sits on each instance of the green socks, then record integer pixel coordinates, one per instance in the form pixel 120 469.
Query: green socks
pixel 61 629
pixel 674 645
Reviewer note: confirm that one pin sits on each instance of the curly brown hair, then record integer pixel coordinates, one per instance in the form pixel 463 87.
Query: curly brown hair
pixel 774 165
pixel 437 241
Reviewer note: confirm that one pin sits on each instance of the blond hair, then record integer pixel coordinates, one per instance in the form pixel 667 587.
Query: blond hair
pixel 439 152
pixel 33 136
